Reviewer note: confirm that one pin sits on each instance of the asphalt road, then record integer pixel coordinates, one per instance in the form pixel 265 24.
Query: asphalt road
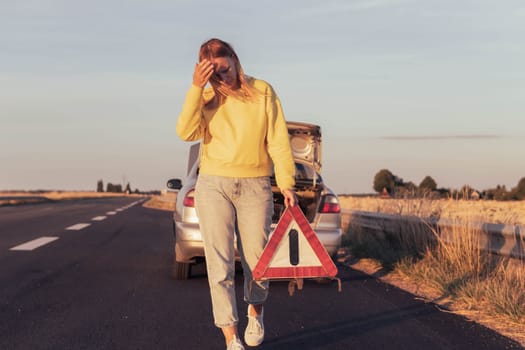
pixel 108 286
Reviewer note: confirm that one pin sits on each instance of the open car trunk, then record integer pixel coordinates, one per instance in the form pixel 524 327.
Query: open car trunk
pixel 305 142
pixel 308 188
pixel 308 196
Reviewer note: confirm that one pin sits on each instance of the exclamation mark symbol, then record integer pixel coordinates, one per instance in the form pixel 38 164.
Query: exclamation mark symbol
pixel 293 237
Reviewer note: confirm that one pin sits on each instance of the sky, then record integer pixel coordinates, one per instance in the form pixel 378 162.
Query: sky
pixel 91 90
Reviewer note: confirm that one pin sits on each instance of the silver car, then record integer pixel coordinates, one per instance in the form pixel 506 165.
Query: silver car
pixel 317 201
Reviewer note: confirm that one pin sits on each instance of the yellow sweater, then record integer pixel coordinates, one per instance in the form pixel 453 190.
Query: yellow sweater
pixel 238 138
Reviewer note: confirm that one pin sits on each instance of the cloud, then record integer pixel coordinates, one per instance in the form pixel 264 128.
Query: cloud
pixel 337 7
pixel 442 137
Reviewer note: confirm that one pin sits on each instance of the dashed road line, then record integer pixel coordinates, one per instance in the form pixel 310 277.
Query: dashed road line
pixel 32 245
pixel 36 243
pixel 77 227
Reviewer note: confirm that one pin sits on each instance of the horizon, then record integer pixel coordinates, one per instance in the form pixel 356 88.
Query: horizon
pixel 133 189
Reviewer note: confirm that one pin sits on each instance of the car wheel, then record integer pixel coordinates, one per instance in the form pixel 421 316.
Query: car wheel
pixel 181 271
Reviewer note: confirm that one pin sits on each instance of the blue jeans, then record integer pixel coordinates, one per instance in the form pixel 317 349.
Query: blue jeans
pixel 230 208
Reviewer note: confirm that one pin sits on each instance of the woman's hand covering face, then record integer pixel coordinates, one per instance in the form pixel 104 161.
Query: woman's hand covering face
pixel 202 73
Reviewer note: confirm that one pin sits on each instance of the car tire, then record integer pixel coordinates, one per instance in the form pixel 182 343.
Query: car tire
pixel 181 271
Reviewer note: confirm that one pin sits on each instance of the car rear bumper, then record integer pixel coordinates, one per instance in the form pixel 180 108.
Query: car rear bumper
pixel 331 240
pixel 189 245
pixel 188 242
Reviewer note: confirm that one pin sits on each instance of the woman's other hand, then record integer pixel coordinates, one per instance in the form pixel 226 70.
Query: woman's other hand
pixel 289 198
pixel 202 73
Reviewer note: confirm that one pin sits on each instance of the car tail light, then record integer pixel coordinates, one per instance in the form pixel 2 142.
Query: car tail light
pixel 330 205
pixel 189 200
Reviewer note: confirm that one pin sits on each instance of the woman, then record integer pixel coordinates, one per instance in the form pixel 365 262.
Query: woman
pixel 244 137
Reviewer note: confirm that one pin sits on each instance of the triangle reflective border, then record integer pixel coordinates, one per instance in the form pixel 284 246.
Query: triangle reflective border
pixel 294 251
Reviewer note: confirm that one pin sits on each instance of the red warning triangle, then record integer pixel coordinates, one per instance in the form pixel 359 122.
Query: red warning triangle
pixel 294 251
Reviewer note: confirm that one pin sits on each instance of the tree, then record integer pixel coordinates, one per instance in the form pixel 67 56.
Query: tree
pixel 519 192
pixel 384 179
pixel 499 193
pixel 113 188
pixel 428 184
pixel 466 192
pixel 100 186
pixel 444 192
pixel 406 190
pixel 128 189
pixel 521 188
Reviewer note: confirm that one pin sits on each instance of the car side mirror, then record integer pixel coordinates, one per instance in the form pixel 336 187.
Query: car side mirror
pixel 174 184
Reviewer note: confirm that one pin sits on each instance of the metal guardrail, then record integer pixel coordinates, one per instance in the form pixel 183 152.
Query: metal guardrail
pixel 506 240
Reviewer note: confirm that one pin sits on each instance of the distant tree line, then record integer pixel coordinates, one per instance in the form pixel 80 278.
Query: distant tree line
pixel 114 188
pixel 390 185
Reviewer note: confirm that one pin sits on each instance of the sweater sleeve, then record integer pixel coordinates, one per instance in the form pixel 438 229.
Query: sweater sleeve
pixel 190 125
pixel 279 143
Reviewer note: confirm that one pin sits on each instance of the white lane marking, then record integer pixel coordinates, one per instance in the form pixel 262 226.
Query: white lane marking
pixel 120 209
pixel 77 227
pixel 111 213
pixel 99 218
pixel 32 245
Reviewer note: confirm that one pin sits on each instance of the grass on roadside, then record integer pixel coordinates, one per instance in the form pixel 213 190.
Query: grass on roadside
pixel 164 202
pixel 474 281
pixel 28 197
pixel 450 267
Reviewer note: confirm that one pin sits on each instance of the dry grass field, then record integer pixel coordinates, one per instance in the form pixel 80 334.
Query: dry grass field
pixel 163 202
pixel 20 197
pixel 511 212
pixel 456 275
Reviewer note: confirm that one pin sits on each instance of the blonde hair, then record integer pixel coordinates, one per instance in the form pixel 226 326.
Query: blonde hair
pixel 214 48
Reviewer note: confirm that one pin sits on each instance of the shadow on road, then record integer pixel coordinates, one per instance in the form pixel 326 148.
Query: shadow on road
pixel 322 337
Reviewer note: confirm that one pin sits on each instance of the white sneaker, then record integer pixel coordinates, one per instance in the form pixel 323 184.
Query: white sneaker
pixel 254 334
pixel 235 344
